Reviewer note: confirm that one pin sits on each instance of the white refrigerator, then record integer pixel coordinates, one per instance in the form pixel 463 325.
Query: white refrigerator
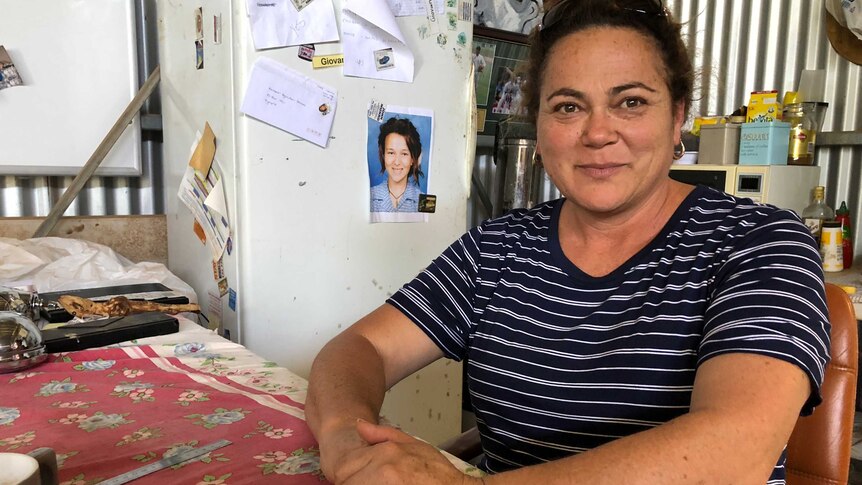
pixel 306 261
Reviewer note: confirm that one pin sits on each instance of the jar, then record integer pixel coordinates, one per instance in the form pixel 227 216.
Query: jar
pixel 831 246
pixel 803 133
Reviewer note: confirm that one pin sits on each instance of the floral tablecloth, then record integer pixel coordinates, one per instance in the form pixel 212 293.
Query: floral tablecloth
pixel 108 411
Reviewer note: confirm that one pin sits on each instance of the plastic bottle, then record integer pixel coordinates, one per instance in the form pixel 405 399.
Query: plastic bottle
pixel 842 215
pixel 817 212
pixel 831 247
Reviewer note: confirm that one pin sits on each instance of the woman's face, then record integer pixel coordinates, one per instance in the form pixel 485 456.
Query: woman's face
pixel 396 157
pixel 606 123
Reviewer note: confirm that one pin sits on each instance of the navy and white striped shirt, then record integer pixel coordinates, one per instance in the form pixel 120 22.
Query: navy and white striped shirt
pixel 560 362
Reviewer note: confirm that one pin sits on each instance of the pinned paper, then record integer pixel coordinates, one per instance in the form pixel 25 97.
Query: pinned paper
pixel 369 27
pixel 202 158
pixel 217 29
pixel 290 101
pixel 199 23
pixel 214 305
pixel 278 23
pixel 194 192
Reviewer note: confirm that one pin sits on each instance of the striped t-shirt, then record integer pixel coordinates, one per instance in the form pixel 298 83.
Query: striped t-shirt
pixel 559 362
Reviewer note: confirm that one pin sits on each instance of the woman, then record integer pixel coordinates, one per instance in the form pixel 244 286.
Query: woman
pixel 636 331
pixel 400 150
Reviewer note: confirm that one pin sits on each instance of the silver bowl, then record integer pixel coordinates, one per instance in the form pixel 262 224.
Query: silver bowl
pixel 21 344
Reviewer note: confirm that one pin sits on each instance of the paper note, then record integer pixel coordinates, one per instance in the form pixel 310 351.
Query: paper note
pixel 194 192
pixel 404 8
pixel 202 158
pixel 278 23
pixel 369 30
pixel 290 101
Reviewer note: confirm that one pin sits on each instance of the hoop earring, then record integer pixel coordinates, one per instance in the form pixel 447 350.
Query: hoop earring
pixel 679 151
pixel 537 158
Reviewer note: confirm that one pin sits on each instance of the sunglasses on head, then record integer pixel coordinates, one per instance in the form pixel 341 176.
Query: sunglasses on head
pixel 563 7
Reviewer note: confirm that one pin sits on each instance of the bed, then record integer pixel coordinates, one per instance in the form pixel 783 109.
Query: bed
pixel 110 410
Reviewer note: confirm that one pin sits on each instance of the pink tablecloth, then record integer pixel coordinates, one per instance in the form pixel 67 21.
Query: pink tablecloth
pixel 109 411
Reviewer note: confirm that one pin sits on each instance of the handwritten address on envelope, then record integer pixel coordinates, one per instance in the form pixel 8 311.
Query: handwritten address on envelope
pixel 290 101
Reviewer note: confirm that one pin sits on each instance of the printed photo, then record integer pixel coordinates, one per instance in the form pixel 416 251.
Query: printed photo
pixel 507 90
pixel 399 161
pixel 519 16
pixel 8 74
pixel 483 65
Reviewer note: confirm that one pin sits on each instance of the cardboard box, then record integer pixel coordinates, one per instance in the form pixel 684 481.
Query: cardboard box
pixel 763 107
pixel 764 143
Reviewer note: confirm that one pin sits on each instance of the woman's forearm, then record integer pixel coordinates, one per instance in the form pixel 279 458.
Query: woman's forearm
pixel 347 382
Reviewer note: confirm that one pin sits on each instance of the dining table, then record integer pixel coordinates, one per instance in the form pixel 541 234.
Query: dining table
pixel 134 409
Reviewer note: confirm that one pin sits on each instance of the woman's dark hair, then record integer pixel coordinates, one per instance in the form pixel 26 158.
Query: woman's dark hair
pixel 405 128
pixel 577 15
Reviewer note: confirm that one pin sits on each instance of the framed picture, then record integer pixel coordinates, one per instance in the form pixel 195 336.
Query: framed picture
pixel 500 61
pixel 518 16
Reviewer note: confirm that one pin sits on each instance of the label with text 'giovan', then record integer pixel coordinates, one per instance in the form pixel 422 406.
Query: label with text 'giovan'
pixel 328 61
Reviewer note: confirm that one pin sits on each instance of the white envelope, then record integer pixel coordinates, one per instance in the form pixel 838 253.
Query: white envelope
pixel 277 23
pixel 369 28
pixel 290 101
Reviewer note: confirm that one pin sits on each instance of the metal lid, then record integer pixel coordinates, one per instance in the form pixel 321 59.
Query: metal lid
pixel 21 344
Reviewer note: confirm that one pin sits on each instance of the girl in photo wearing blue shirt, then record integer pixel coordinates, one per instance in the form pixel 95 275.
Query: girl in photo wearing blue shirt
pixel 400 149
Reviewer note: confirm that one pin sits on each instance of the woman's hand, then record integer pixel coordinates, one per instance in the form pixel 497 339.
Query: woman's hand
pixel 393 457
pixel 337 444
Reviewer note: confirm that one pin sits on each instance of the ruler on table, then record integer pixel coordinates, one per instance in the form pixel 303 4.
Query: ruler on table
pixel 164 463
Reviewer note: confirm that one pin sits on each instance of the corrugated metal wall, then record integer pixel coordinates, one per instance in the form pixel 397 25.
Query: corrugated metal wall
pixel 741 46
pixel 34 195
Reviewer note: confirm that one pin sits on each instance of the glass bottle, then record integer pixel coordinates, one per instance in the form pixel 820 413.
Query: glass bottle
pixel 842 215
pixel 803 133
pixel 817 212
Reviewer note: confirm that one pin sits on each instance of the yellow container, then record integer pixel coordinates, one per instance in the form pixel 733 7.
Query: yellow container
pixel 763 107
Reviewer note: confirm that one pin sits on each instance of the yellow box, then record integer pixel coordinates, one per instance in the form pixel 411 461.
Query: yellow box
pixel 763 106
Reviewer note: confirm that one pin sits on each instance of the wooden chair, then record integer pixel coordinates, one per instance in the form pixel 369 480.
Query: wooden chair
pixel 818 451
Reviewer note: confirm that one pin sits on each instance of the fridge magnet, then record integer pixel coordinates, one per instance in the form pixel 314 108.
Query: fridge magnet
pixel 324 109
pixel 306 52
pixel 231 299
pixel 222 287
pixel 383 59
pixel 199 23
pixel 462 39
pixel 301 4
pixel 452 17
pixel 441 40
pixel 217 29
pixel 8 73
pixel 465 13
pixel 199 54
pixel 427 203
pixel 229 246
pixel 218 269
pixel 399 159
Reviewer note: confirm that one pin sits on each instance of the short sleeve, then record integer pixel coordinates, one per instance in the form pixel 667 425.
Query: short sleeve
pixel 769 299
pixel 440 300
